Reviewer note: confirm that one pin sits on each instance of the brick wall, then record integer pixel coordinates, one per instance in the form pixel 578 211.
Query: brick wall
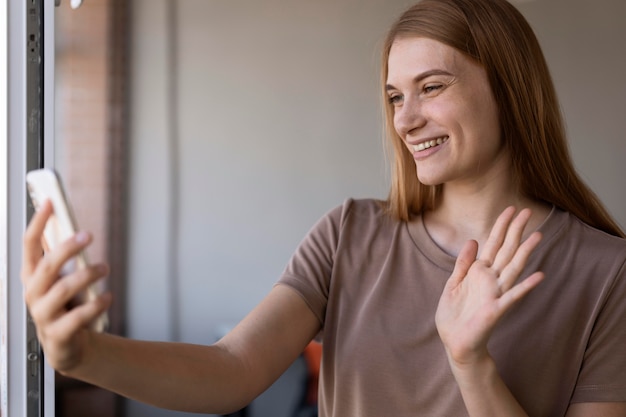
pixel 91 121
pixel 82 95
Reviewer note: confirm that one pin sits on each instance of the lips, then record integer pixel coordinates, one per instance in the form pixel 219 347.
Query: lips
pixel 429 143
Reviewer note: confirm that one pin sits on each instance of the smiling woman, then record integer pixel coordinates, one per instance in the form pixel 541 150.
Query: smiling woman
pixel 543 169
pixel 445 113
pixel 489 282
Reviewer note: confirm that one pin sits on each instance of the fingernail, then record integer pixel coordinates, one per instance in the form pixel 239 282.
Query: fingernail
pixel 82 237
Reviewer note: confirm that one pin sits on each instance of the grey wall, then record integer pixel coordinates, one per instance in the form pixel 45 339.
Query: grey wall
pixel 279 121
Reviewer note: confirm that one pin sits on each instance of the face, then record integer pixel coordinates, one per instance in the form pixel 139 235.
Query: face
pixel 445 112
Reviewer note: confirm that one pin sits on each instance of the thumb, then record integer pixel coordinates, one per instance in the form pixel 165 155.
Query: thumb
pixel 464 261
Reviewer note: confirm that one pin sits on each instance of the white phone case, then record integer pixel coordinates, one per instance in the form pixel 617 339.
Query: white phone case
pixel 45 184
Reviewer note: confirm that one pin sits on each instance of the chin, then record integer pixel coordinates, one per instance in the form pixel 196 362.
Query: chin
pixel 429 180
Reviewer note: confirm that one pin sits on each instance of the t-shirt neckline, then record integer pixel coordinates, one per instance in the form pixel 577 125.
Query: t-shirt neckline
pixel 425 244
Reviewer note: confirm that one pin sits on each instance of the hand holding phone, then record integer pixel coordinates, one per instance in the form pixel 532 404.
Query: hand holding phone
pixel 45 184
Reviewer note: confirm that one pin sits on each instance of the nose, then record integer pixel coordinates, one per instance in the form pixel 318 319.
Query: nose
pixel 408 117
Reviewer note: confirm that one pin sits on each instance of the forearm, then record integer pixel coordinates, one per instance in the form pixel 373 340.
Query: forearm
pixel 184 377
pixel 479 292
pixel 484 392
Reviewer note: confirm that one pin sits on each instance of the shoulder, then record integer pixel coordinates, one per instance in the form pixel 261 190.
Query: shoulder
pixel 352 215
pixel 351 208
pixel 361 207
pixel 360 214
pixel 567 229
pixel 354 220
pixel 596 241
pixel 587 250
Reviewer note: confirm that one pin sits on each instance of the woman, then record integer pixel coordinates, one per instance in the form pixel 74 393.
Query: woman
pixel 416 299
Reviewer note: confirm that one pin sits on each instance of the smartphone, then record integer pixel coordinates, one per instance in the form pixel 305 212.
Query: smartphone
pixel 45 184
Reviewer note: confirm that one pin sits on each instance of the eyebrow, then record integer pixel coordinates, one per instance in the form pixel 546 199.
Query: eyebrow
pixel 422 76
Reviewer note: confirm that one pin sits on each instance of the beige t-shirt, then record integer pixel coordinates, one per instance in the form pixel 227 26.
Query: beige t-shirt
pixel 374 283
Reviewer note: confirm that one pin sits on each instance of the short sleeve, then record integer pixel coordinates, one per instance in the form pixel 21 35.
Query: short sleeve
pixel 603 374
pixel 309 269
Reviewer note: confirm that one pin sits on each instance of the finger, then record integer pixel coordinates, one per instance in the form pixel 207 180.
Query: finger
pixel 496 236
pixel 74 287
pixel 82 316
pixel 467 256
pixel 49 266
pixel 32 249
pixel 515 267
pixel 512 240
pixel 68 327
pixel 519 291
pixel 54 304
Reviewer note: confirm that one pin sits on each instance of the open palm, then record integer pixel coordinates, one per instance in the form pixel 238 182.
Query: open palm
pixel 480 291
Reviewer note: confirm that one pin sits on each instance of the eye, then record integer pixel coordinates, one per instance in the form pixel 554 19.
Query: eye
pixel 431 88
pixel 395 99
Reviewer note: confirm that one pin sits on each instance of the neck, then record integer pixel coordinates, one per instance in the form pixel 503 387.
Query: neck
pixel 469 212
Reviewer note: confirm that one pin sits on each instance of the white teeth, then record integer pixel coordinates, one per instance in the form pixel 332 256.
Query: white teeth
pixel 429 144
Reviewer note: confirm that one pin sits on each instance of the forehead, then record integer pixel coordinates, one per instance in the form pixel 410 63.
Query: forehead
pixel 414 55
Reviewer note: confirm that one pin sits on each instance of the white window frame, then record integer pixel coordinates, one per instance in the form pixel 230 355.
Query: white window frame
pixel 17 393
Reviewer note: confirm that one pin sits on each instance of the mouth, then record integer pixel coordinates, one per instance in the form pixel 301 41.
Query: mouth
pixel 429 144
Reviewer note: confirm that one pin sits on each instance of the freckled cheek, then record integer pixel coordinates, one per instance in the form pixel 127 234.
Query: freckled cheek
pixel 446 109
pixel 455 117
pixel 481 105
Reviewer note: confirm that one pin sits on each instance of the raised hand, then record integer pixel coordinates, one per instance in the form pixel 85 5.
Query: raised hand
pixel 480 291
pixel 62 331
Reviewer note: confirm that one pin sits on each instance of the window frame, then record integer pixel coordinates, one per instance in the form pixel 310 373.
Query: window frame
pixel 24 378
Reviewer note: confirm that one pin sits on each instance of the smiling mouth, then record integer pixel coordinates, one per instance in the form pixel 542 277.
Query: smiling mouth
pixel 429 144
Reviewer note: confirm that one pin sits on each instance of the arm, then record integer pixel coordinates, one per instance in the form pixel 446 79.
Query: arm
pixel 209 379
pixel 219 378
pixel 478 293
pixel 484 390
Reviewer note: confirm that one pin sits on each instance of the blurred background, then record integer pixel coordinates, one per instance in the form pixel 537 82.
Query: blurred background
pixel 200 140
